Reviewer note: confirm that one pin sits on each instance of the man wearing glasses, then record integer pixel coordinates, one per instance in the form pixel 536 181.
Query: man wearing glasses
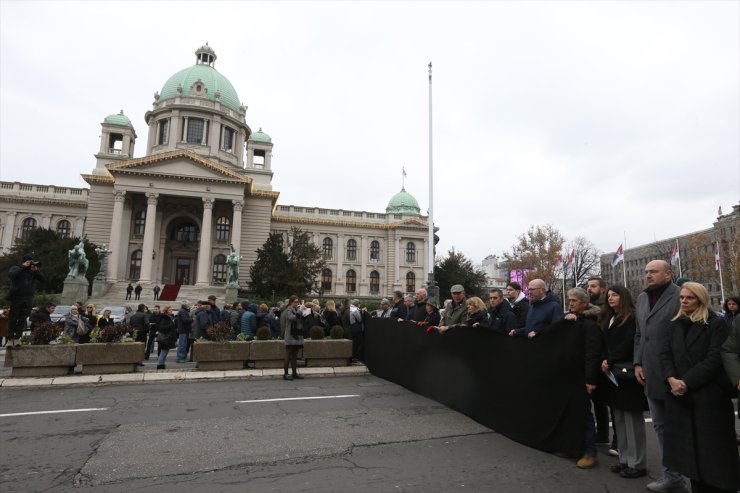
pixel 544 310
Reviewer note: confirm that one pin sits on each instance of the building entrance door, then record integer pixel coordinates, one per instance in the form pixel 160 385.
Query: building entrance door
pixel 182 271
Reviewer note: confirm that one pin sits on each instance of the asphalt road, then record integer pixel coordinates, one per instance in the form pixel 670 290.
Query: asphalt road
pixel 361 434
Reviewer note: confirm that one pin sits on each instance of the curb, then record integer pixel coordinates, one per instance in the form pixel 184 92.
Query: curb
pixel 177 376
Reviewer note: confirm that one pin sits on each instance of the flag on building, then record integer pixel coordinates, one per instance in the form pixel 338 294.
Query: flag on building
pixel 559 262
pixel 618 255
pixel 571 255
pixel 403 168
pixel 716 255
pixel 675 254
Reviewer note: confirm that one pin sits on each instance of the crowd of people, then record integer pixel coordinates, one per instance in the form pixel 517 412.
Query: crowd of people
pixel 666 353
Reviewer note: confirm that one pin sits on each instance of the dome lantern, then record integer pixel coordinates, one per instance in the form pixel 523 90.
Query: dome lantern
pixel 205 55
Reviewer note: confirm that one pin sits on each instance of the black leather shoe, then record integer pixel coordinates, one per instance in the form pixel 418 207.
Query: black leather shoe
pixel 297 376
pixel 287 377
pixel 632 473
pixel 617 468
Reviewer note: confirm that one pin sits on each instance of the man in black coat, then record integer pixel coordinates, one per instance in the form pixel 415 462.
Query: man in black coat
pixel 500 317
pixel 593 355
pixel 398 312
pixel 420 307
pixel 23 279
pixel 518 302
pixel 42 315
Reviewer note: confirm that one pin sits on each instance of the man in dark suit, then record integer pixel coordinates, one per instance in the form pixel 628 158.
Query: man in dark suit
pixel 656 306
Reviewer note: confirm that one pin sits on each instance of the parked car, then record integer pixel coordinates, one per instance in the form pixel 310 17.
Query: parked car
pixel 57 316
pixel 118 313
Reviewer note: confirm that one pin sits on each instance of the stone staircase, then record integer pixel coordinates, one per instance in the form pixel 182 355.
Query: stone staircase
pixel 116 296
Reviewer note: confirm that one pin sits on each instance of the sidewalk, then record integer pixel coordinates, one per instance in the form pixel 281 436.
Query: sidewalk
pixel 174 372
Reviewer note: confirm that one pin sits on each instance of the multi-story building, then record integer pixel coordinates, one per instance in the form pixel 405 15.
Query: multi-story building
pixel 496 271
pixel 205 182
pixel 697 259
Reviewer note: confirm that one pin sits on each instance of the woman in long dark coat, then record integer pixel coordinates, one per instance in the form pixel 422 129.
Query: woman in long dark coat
pixel 699 429
pixel 627 400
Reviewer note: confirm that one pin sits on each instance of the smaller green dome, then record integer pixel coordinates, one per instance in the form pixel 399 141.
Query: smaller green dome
pixel 403 203
pixel 260 136
pixel 118 119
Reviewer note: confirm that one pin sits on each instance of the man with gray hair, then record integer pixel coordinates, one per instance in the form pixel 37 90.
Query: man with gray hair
pixel 420 309
pixel 656 306
pixel 385 309
pixel 410 304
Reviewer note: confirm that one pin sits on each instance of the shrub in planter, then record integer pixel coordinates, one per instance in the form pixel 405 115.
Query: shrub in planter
pixel 43 334
pixel 219 332
pixel 337 332
pixel 111 333
pixel 264 334
pixel 316 333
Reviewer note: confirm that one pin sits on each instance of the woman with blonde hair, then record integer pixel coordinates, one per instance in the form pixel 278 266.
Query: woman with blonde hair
pixel 699 429
pixel 477 315
pixel 166 336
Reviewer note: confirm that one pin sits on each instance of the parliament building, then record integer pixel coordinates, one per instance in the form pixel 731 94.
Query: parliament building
pixel 204 183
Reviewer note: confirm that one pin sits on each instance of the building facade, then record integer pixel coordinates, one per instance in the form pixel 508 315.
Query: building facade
pixel 203 184
pixel 697 259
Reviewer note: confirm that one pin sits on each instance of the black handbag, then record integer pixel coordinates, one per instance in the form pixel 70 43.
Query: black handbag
pixel 623 370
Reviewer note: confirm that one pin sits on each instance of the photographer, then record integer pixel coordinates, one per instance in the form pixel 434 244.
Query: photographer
pixel 23 278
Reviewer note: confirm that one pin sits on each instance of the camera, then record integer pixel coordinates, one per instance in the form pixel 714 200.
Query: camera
pixel 35 263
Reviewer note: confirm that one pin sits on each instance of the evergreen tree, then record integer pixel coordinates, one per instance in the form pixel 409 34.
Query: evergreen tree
pixel 306 262
pixel 269 271
pixel 456 268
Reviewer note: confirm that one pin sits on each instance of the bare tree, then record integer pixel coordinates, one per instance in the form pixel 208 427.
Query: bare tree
pixel 536 252
pixel 586 261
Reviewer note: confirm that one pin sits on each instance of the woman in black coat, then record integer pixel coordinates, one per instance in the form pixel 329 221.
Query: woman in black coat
pixel 699 429
pixel 627 399
pixel 166 335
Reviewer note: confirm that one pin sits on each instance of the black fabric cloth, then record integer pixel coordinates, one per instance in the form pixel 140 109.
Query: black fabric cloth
pixel 39 317
pixel 420 311
pixel 520 310
pixel 620 343
pixel 166 332
pixel 502 319
pixel 699 429
pixel 532 391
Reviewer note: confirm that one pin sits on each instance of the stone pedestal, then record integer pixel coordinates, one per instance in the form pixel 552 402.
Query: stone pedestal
pixel 74 290
pixel 231 295
pixel 100 288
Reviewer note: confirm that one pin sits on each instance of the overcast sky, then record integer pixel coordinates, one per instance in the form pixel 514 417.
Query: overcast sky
pixel 597 117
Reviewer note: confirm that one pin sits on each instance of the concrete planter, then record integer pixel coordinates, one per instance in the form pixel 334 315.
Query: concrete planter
pixel 229 355
pixel 268 354
pixel 41 361
pixel 111 357
pixel 327 352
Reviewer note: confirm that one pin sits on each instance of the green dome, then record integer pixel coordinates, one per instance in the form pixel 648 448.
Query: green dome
pixel 260 136
pixel 403 203
pixel 212 80
pixel 118 119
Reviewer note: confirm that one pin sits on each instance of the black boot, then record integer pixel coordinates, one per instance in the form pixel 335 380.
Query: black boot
pixel 160 367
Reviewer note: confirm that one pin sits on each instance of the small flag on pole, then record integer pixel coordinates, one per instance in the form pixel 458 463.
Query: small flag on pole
pixel 571 255
pixel 404 171
pixel 618 255
pixel 675 254
pixel 559 262
pixel 716 256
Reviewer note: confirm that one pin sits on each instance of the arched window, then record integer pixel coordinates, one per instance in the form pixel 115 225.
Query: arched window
pixel 410 252
pixel 185 232
pixel 374 282
pixel 375 251
pixel 328 248
pixel 223 226
pixel 64 228
pixel 28 225
pixel 219 269
pixel 134 271
pixel 139 222
pixel 351 250
pixel 351 281
pixel 410 282
pixel 326 280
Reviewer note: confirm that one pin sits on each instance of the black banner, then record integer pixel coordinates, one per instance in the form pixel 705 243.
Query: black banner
pixel 532 391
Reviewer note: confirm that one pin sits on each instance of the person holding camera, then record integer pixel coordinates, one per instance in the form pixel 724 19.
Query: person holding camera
pixel 23 277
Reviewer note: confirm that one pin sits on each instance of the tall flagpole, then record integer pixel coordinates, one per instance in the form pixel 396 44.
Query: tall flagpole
pixel 432 290
pixel 718 266
pixel 624 259
pixel 678 252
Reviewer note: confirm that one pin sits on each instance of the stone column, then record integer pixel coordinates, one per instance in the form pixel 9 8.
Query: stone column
pixel 147 251
pixel 204 254
pixel 115 234
pixel 9 231
pixel 236 225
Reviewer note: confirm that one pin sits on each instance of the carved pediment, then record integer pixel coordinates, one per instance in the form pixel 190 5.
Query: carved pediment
pixel 184 165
